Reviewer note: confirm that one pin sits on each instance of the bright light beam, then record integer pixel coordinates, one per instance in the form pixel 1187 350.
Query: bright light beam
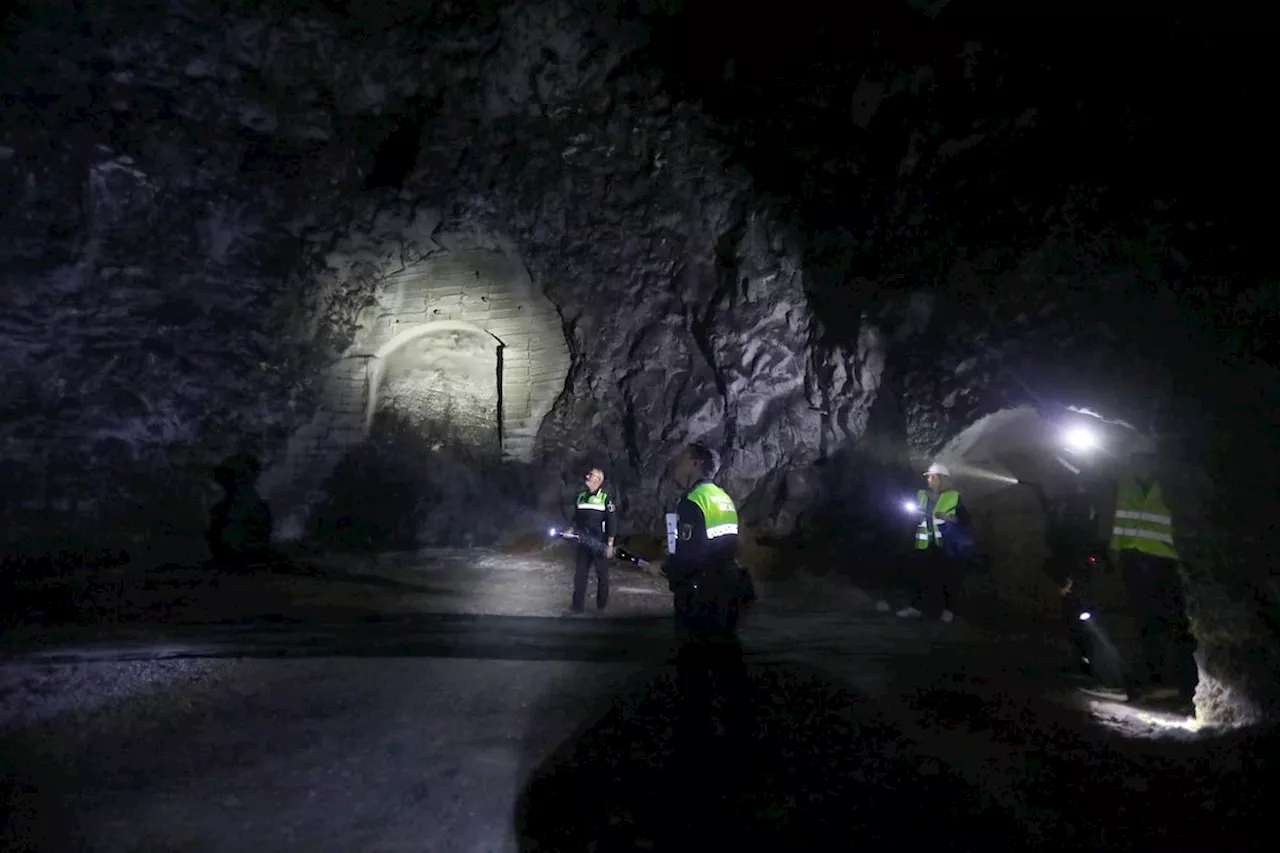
pixel 964 469
pixel 1080 439
pixel 1138 722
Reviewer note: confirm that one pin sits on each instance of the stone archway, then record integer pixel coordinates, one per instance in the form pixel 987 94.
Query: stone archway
pixel 472 307
pixel 490 291
pixel 445 375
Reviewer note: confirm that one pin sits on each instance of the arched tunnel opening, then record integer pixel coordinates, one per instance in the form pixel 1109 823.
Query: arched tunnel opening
pixel 453 385
pixel 433 407
pixel 445 380
pixel 374 490
pixel 1012 466
pixel 1041 489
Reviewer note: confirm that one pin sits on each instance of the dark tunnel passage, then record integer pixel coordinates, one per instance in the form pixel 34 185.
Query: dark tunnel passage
pixel 430 269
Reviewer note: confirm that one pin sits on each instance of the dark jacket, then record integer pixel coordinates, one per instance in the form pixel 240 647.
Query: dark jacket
pixel 958 542
pixel 707 566
pixel 595 516
pixel 1070 535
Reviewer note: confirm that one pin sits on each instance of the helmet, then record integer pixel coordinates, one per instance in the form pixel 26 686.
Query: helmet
pixel 937 468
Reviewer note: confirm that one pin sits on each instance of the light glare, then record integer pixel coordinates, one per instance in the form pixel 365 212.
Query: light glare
pixel 1081 439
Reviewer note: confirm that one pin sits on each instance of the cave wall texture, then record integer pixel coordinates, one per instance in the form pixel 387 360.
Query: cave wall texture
pixel 825 247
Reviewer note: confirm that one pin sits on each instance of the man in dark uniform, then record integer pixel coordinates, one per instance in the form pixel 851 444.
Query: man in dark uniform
pixel 595 521
pixel 708 588
pixel 1071 537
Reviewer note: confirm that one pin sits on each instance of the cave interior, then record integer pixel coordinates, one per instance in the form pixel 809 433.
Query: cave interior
pixel 428 262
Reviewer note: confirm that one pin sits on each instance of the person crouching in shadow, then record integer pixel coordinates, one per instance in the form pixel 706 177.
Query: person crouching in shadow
pixel 239 533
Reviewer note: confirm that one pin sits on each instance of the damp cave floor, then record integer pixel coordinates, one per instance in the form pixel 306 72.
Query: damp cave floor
pixel 441 701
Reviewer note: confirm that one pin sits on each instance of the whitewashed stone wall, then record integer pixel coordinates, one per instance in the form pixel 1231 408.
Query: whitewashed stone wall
pixel 474 292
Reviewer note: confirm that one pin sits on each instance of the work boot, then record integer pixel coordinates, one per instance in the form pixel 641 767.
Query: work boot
pixel 573 611
pixel 909 613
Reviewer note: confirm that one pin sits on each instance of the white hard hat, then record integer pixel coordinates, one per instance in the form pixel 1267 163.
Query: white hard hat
pixel 938 468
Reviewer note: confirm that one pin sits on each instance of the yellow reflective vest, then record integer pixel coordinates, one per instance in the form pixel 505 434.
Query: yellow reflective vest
pixel 1143 521
pixel 932 530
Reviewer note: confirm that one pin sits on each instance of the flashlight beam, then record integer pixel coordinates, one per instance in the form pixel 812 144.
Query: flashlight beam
pixel 972 470
pixel 1080 439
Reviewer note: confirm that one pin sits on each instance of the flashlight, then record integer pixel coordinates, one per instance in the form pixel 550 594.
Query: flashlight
pixel 1086 616
pixel 624 554
pixel 911 506
pixel 618 553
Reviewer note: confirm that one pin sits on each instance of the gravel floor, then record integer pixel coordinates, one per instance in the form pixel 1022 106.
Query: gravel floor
pixel 312 755
pixel 864 731
pixel 38 693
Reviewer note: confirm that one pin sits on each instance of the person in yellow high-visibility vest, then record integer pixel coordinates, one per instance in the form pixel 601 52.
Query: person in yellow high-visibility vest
pixel 709 588
pixel 942 517
pixel 595 521
pixel 1142 548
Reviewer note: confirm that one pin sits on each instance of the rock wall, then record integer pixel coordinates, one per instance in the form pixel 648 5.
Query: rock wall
pixel 683 297
pixel 213 256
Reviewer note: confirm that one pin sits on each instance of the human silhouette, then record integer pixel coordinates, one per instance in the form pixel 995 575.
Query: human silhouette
pixel 239 533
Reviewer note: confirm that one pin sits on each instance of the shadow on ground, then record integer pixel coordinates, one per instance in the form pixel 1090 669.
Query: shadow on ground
pixel 949 762
pixel 285 589
pixel 823 768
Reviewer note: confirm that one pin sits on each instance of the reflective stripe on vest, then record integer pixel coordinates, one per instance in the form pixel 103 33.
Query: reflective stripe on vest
pixel 947 502
pixel 718 512
pixel 1143 521
pixel 598 501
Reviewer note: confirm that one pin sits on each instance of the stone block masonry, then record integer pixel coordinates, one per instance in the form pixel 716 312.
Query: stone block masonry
pixel 481 296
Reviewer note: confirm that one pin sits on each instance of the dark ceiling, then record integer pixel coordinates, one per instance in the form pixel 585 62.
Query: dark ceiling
pixel 1148 124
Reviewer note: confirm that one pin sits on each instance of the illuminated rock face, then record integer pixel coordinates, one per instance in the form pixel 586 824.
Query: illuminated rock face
pixel 459 343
